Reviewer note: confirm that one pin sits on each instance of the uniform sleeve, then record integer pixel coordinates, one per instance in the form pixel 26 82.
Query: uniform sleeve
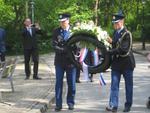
pixel 55 44
pixel 54 41
pixel 124 45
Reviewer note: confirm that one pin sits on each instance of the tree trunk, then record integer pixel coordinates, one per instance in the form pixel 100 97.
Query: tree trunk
pixel 96 12
pixel 26 9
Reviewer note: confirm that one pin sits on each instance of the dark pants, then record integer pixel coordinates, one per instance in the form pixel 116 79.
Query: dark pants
pixel 77 74
pixel 71 81
pixel 115 81
pixel 91 76
pixel 35 57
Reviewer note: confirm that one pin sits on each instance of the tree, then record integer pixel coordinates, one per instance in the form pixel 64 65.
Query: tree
pixel 6 13
pixel 13 13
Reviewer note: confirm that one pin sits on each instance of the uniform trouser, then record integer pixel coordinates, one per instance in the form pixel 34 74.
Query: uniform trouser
pixel 71 81
pixel 77 74
pixel 35 57
pixel 114 93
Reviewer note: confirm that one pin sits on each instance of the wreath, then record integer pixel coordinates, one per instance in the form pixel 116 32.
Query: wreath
pixel 88 44
pixel 79 40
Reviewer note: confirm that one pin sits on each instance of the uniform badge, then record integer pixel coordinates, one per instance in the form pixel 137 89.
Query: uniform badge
pixel 114 17
pixel 60 16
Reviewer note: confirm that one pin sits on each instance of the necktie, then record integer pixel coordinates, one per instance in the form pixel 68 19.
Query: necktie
pixel 116 36
pixel 66 34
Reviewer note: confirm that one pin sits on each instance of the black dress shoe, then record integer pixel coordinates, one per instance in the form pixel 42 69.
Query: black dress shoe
pixel 27 78
pixel 37 78
pixel 112 109
pixel 71 107
pixel 78 81
pixel 91 80
pixel 57 109
pixel 126 109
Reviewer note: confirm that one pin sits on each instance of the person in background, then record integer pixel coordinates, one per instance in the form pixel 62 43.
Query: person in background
pixel 77 26
pixel 123 63
pixel 2 44
pixel 30 47
pixel 63 64
pixel 90 61
pixel 78 76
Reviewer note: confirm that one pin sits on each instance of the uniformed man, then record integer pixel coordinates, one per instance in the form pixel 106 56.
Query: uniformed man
pixel 123 63
pixel 63 63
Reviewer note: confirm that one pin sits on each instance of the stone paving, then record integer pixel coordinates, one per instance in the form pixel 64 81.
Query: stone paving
pixel 93 98
pixel 37 96
pixel 30 96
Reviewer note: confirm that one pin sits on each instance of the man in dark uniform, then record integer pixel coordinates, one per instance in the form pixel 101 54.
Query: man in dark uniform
pixel 123 63
pixel 63 63
pixel 2 44
pixel 30 47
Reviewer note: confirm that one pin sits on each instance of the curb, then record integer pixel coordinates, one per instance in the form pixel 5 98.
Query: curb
pixel 40 107
pixel 46 106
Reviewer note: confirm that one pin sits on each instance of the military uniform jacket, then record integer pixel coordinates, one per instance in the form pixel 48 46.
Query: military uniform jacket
pixel 29 39
pixel 59 45
pixel 122 55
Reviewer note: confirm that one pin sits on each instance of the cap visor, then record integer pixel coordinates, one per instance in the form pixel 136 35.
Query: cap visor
pixel 64 19
pixel 115 21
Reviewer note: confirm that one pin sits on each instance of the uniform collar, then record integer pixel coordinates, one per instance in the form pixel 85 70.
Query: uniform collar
pixel 67 29
pixel 119 30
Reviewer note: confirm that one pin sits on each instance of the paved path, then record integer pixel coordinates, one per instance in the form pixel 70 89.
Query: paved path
pixel 30 96
pixel 35 96
pixel 92 98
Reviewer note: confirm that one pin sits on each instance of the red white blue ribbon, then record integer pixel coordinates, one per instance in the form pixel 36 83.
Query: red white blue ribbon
pixel 83 54
pixel 85 71
pixel 95 54
pixel 101 80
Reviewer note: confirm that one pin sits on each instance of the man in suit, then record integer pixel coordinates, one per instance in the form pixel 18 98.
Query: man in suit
pixel 123 63
pixel 2 44
pixel 63 64
pixel 30 47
